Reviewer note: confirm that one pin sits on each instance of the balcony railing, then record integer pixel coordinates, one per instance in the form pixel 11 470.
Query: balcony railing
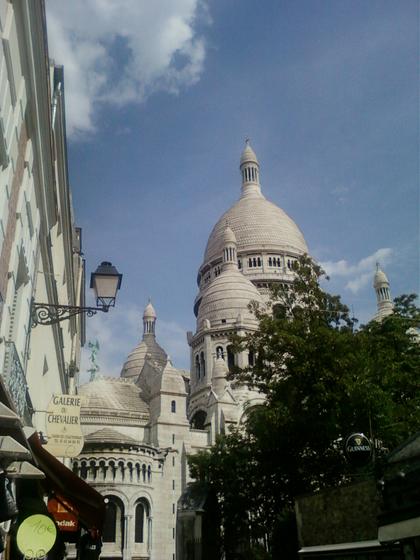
pixel 15 381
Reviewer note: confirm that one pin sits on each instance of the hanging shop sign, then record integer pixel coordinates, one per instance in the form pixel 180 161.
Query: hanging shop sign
pixel 65 438
pixel 36 536
pixel 64 515
pixel 358 449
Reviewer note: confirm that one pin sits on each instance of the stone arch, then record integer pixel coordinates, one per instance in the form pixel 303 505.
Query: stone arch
pixel 113 530
pixel 198 420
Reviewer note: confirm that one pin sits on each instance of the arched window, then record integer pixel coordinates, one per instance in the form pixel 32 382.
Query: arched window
pixel 141 521
pixel 197 367
pixel 250 263
pixel 259 261
pixel 254 262
pixel 203 364
pixel 251 357
pixel 114 516
pixel 110 525
pixel 198 420
pixel 270 261
pixel 230 358
pixel 83 470
pixel 239 264
pixel 173 406
pixel 143 472
pixel 149 474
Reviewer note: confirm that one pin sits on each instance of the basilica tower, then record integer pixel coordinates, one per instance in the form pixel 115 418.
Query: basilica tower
pixel 252 245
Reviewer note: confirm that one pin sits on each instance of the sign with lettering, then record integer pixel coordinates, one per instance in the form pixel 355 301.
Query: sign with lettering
pixel 65 438
pixel 358 449
pixel 64 514
pixel 36 536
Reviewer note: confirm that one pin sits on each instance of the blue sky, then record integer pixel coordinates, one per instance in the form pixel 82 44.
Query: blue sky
pixel 160 97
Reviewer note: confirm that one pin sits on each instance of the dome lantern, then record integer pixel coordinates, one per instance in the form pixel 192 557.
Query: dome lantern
pixel 250 171
pixel 149 319
pixel 229 249
pixel 385 306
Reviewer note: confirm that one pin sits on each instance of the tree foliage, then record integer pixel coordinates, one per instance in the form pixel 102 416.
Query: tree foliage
pixel 322 379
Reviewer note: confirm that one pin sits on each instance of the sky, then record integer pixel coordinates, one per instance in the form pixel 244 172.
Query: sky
pixel 160 97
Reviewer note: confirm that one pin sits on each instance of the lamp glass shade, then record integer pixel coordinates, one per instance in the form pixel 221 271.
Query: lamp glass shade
pixel 105 281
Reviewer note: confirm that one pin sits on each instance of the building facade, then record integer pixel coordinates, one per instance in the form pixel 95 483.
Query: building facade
pixel 140 428
pixel 40 247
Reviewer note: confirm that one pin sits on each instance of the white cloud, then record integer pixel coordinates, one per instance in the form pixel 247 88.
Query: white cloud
pixel 120 51
pixel 361 272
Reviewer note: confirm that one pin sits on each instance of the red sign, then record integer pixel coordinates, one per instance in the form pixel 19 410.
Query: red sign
pixel 64 514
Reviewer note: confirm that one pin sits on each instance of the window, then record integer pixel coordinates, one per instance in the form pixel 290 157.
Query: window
pixel 197 366
pixel 110 525
pixel 149 474
pixel 198 420
pixel 202 365
pixel 173 406
pixel 141 521
pixel 173 438
pixel 230 358
pixel 220 352
pixel 239 264
pixel 113 530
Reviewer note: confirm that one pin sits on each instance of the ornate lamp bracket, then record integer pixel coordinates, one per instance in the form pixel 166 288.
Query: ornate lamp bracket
pixel 49 314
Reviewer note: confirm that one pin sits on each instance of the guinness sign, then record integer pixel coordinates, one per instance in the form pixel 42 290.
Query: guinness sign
pixel 358 449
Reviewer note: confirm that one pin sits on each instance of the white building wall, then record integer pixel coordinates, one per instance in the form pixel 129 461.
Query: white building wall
pixel 37 260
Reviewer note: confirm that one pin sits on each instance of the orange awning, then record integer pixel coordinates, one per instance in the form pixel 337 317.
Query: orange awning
pixel 60 480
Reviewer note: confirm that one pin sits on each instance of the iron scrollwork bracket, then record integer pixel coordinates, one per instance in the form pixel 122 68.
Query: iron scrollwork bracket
pixel 50 314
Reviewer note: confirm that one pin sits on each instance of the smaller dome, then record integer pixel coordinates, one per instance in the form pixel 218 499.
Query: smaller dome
pixel 149 348
pixel 380 277
pixel 228 296
pixel 109 435
pixel 228 236
pixel 110 398
pixel 248 155
pixel 149 311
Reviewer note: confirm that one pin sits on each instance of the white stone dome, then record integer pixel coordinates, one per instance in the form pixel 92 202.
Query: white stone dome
pixel 147 347
pixel 228 296
pixel 149 311
pixel 248 155
pixel 258 224
pixel 136 358
pixel 380 278
pixel 109 398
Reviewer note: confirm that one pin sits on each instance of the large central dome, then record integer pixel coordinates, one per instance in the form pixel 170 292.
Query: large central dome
pixel 258 224
pixel 268 240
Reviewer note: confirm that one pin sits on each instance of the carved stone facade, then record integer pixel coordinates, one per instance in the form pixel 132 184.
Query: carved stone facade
pixel 141 427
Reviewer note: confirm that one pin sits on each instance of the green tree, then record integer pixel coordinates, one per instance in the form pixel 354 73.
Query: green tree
pixel 322 379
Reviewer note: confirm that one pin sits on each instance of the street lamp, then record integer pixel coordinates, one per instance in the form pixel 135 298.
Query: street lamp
pixel 105 281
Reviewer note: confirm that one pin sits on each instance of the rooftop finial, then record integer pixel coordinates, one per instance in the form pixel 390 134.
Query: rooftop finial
pixel 250 170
